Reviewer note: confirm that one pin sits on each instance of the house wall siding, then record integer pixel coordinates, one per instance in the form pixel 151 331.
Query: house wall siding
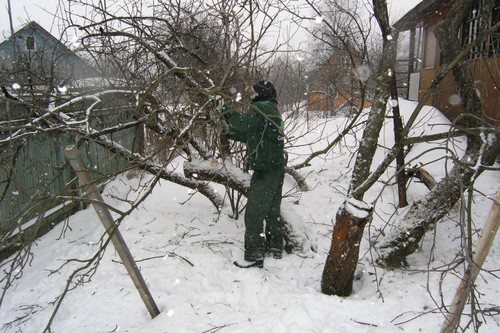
pixel 486 77
pixel 485 72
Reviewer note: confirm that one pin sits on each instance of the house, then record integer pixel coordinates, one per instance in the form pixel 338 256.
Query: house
pixel 424 57
pixel 332 85
pixel 33 58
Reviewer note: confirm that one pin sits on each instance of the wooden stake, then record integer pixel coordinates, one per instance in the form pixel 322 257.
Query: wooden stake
pixel 92 192
pixel 463 291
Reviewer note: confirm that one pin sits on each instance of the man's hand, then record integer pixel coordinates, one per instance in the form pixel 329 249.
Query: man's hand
pixel 219 103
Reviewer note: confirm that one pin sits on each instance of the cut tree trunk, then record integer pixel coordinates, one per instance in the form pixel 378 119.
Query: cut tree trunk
pixel 340 266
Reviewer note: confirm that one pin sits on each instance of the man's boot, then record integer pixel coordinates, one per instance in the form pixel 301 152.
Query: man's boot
pixel 249 264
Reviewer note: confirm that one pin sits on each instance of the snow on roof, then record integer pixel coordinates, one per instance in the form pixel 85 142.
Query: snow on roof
pixel 418 13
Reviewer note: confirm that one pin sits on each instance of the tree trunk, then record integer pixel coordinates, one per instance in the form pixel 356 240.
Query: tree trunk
pixel 338 273
pixel 398 128
pixel 375 121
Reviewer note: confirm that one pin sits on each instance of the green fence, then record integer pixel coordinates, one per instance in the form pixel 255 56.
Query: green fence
pixel 34 175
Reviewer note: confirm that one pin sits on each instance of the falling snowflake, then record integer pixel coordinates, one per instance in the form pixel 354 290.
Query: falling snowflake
pixel 16 86
pixel 394 103
pixel 238 97
pixel 75 43
pixel 170 313
pixel 389 72
pixel 233 90
pixel 318 19
pixel 455 99
pixel 362 72
pixel 389 37
pixel 62 89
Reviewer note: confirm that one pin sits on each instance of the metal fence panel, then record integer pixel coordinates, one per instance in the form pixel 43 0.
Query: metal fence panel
pixel 34 173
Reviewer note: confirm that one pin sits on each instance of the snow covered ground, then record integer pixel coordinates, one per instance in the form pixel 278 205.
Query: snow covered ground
pixel 185 249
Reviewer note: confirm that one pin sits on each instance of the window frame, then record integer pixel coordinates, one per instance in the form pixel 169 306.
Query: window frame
pixel 476 21
pixel 30 41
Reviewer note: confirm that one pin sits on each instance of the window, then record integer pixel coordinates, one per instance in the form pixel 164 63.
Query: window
pixel 431 48
pixel 479 19
pixel 30 43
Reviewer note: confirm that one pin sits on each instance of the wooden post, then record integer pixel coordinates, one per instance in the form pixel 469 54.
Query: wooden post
pixel 92 192
pixel 463 291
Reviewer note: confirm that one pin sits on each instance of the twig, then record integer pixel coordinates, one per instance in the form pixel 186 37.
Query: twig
pixel 217 328
pixel 139 260
pixel 362 323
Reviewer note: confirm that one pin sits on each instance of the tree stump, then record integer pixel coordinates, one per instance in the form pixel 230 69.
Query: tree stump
pixel 340 266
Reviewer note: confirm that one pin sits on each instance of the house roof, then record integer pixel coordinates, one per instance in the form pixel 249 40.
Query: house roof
pixel 75 65
pixel 419 12
pixel 35 26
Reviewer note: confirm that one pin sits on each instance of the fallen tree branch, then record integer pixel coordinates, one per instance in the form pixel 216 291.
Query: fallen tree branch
pixel 301 181
pixel 421 174
pixel 403 239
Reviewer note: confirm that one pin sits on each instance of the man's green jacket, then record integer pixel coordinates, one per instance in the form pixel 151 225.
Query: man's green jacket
pixel 262 131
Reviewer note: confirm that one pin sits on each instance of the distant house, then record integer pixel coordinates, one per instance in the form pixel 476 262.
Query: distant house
pixel 33 58
pixel 331 86
pixel 424 56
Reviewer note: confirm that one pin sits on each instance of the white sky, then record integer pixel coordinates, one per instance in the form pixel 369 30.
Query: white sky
pixel 43 11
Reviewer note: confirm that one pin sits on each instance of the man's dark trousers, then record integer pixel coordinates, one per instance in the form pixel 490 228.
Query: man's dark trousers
pixel 264 200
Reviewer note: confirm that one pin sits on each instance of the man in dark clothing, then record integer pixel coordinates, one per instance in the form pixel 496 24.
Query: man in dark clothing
pixel 262 131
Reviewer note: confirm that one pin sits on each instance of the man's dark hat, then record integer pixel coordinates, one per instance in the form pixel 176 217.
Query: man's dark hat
pixel 265 91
